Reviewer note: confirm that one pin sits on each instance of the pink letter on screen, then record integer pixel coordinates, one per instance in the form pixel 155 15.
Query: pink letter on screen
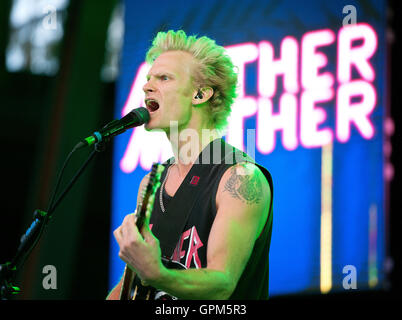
pixel 312 60
pixel 241 109
pixel 358 112
pixel 268 123
pixel 269 68
pixel 136 154
pixel 240 55
pixel 357 56
pixel 311 116
pixel 136 96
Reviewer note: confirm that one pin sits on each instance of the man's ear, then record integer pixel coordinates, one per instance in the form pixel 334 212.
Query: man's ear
pixel 202 95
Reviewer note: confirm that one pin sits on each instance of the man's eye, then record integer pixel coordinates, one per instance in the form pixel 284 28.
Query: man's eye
pixel 164 78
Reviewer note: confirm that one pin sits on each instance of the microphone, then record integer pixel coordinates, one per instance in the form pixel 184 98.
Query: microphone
pixel 134 118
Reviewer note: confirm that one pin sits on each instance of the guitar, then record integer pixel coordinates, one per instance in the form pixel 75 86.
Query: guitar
pixel 132 288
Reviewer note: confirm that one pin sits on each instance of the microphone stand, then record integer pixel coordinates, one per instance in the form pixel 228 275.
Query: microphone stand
pixel 31 237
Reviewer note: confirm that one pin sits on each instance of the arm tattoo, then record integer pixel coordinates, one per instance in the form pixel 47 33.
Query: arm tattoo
pixel 245 187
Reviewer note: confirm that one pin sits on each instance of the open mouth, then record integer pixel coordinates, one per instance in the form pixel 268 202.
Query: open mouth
pixel 152 105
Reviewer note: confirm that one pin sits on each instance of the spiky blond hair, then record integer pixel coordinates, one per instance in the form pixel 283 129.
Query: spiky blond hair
pixel 214 69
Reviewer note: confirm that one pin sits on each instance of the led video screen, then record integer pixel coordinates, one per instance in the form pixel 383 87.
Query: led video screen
pixel 311 108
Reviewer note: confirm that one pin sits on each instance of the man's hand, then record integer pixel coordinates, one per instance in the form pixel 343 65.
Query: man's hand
pixel 141 251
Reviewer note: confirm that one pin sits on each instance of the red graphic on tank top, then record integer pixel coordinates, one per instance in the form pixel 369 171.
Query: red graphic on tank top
pixel 187 248
pixel 194 180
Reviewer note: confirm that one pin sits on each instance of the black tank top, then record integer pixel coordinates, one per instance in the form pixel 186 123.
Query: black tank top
pixel 191 249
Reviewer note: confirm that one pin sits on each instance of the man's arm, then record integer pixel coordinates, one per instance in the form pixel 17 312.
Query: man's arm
pixel 242 202
pixel 114 294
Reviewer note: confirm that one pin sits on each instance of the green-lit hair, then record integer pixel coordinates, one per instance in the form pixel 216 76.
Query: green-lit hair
pixel 215 69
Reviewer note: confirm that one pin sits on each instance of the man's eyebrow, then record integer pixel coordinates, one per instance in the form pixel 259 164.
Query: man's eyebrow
pixel 158 74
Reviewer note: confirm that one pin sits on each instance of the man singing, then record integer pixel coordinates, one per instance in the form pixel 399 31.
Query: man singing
pixel 224 245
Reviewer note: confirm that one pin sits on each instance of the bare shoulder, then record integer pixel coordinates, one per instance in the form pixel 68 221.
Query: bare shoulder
pixel 245 182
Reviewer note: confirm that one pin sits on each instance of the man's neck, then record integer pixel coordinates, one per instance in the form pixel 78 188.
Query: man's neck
pixel 187 145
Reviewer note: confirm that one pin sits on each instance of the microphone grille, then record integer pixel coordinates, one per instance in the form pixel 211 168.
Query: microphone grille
pixel 142 114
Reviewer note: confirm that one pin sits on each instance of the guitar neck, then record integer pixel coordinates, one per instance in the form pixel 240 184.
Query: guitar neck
pixel 128 278
pixel 145 207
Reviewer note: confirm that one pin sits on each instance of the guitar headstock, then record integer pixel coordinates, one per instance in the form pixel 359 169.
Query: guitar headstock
pixel 148 194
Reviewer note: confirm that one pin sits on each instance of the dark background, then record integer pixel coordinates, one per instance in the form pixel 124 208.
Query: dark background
pixel 43 117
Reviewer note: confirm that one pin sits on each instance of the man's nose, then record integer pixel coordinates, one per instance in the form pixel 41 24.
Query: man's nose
pixel 148 87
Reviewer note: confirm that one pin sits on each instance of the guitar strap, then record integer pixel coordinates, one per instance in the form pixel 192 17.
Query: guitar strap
pixel 170 224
